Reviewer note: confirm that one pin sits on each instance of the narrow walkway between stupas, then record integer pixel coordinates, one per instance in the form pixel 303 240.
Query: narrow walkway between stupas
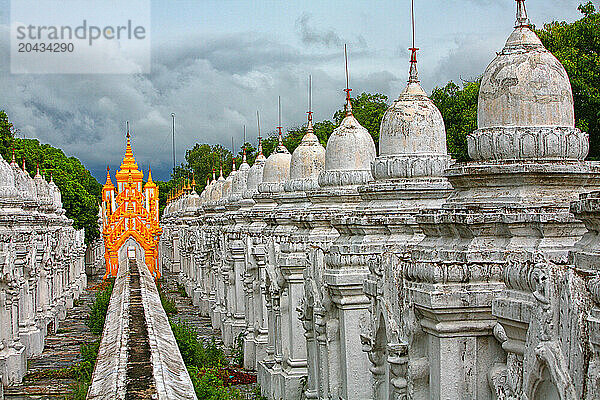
pixel 190 315
pixel 186 311
pixel 138 357
pixel 62 350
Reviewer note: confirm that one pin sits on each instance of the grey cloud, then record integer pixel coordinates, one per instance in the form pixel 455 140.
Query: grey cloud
pixel 214 86
pixel 310 35
pixel 468 60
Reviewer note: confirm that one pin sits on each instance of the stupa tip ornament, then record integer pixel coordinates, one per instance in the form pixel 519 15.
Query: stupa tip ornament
pixel 277 165
pixel 526 100
pixel 522 19
pixel 350 149
pixel 308 159
pixel 412 135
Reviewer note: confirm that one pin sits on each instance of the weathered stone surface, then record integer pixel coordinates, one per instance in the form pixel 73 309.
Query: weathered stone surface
pixel 425 279
pixel 41 267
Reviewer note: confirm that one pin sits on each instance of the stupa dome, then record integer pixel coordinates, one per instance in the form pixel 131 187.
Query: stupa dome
pixel 525 108
pixel 308 160
pixel 349 153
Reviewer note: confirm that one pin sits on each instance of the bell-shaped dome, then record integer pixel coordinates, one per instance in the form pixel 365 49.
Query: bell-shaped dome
pixel 56 195
pixel 228 185
pixel 349 153
pixel 8 190
pixel 44 191
pixel 240 180
pixel 412 137
pixel 308 160
pixel 205 193
pixel 217 191
pixel 192 202
pixel 23 182
pixel 525 108
pixel 525 85
pixel 412 125
pixel 277 169
pixel 255 174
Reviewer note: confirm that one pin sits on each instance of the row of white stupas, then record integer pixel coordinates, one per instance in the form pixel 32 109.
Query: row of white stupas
pixel 42 267
pixel 405 275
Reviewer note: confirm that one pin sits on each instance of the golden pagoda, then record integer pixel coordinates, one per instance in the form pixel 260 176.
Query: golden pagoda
pixel 130 217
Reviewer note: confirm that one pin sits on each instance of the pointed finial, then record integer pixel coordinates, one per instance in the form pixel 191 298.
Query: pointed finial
pixel 13 162
pixel 522 19
pixel 127 123
pixel 309 127
pixel 213 170
pixel 51 180
pixel 233 164
pixel 108 175
pixel 244 148
pixel 413 75
pixel 260 150
pixel 279 134
pixel 37 168
pixel 347 90
pixel 220 171
pixel 23 163
pixel 149 174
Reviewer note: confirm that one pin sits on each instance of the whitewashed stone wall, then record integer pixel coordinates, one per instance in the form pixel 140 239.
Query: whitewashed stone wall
pixel 42 267
pixel 409 276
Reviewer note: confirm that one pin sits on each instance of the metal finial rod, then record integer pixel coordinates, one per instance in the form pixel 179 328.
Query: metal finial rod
pixel 232 148
pixel 258 123
pixel 347 73
pixel 309 127
pixel 173 130
pixel 413 76
pixel 127 125
pixel 279 127
pixel 244 136
pixel 347 90
pixel 309 93
pixel 279 108
pixel 412 15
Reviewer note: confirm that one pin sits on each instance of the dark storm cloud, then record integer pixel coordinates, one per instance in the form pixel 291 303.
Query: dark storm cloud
pixel 214 86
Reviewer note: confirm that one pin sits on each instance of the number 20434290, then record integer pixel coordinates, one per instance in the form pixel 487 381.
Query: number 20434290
pixel 46 47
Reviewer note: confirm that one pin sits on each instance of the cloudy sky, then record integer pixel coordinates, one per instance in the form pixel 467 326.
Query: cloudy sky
pixel 215 62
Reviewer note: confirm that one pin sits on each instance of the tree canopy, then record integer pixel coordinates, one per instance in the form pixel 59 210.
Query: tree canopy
pixel 79 189
pixel 577 47
pixel 459 110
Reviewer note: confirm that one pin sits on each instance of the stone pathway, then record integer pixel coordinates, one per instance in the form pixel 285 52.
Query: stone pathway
pixel 140 380
pixel 61 351
pixel 186 311
pixel 190 314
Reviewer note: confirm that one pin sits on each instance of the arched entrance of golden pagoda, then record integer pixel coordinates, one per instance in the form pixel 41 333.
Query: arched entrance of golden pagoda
pixel 130 217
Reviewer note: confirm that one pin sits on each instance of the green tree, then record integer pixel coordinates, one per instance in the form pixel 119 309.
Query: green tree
pixel 577 47
pixel 459 110
pixel 80 191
